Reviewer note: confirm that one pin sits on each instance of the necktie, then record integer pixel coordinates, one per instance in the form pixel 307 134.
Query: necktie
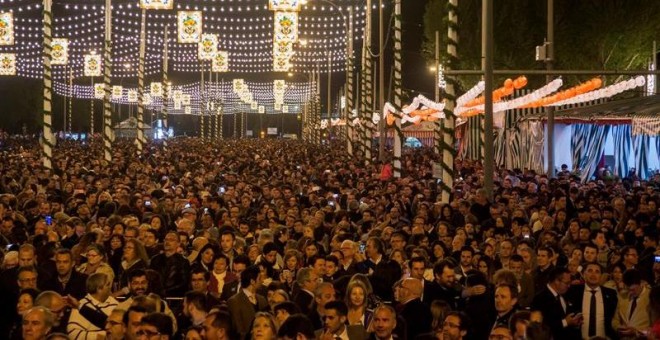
pixel 632 307
pixel 592 314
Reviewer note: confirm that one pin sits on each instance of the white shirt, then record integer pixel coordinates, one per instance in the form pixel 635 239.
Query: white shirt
pixel 600 312
pixel 343 335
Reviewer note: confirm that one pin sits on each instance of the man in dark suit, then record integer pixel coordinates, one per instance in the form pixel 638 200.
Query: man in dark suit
pixel 596 303
pixel 68 281
pixel 246 303
pixel 415 313
pixel 444 286
pixel 544 267
pixel 335 326
pixel 199 282
pixel 304 296
pixel 558 313
pixel 506 298
pixel 174 269
pixel 383 273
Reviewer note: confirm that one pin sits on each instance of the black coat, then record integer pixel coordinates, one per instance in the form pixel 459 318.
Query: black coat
pixel 434 291
pixel 610 299
pixel 304 301
pixel 174 273
pixel 553 314
pixel 417 316
pixel 76 286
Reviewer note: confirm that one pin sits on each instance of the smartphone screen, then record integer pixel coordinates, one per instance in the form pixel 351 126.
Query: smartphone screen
pixel 49 221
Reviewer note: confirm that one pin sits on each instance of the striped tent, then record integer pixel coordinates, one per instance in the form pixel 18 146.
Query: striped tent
pixel 622 140
pixel 587 143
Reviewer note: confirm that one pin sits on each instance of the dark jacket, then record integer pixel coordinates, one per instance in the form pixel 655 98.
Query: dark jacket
pixel 174 273
pixel 553 314
pixel 417 316
pixel 610 299
pixel 76 286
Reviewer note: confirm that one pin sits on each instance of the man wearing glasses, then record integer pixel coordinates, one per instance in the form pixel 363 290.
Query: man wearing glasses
pixel 455 326
pixel 155 326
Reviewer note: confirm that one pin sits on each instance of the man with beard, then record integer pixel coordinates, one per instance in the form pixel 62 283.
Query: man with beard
pixel 455 326
pixel 335 326
pixel 138 285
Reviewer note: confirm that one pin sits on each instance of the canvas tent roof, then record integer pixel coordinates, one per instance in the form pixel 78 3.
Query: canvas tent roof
pixel 614 112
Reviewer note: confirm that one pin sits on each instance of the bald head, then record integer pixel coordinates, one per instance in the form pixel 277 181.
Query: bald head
pixel 409 289
pixel 414 286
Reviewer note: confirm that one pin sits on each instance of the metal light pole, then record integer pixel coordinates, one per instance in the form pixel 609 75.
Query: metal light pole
pixel 488 94
pixel 381 82
pixel 550 110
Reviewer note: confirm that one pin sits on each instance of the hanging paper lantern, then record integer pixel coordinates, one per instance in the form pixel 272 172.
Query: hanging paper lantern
pixel 177 105
pixel 92 65
pixel 132 96
pixel 221 62
pixel 188 110
pixel 157 4
pixel 146 98
pixel 117 92
pixel 6 28
pixel 156 89
pixel 185 99
pixel 7 64
pixel 207 47
pixel 60 51
pixel 284 5
pixel 99 91
pixel 285 108
pixel 189 24
pixel 262 109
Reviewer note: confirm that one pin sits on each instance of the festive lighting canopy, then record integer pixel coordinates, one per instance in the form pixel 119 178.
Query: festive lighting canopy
pixel 244 28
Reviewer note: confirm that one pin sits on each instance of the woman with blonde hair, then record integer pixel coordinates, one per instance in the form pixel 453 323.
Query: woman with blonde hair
pixel 263 327
pixel 356 299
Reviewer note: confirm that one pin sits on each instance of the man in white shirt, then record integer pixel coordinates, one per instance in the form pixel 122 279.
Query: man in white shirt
pixel 596 303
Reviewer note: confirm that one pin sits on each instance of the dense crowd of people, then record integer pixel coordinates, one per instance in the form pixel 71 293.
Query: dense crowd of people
pixel 274 239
